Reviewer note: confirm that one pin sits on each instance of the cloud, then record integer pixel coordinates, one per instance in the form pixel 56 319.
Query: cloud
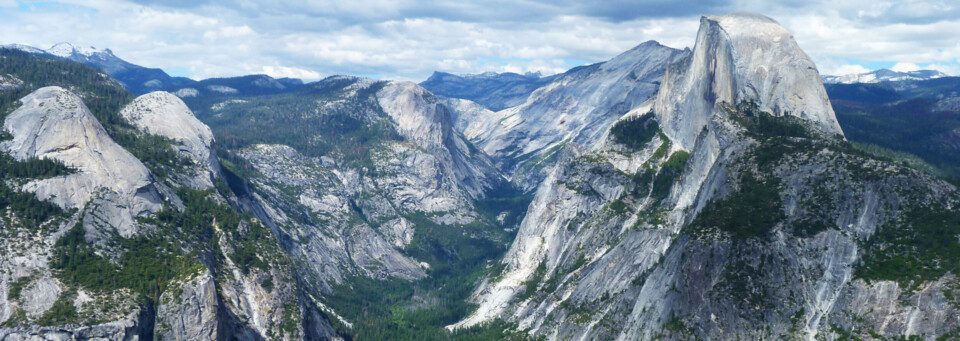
pixel 291 72
pixel 407 39
pixel 905 67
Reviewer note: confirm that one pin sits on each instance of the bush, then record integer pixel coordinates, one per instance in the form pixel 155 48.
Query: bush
pixel 669 173
pixel 635 132
pixel 750 212
pixel 921 246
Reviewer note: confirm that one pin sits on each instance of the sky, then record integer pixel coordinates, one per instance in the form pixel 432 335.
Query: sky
pixel 408 40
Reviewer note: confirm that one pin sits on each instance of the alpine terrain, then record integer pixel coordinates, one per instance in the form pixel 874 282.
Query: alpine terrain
pixel 719 192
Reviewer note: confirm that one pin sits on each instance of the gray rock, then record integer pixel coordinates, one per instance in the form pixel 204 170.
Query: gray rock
pixel 54 123
pixel 162 113
pixel 191 315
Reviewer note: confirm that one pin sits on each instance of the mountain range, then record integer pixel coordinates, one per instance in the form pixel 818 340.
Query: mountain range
pixel 717 192
pixel 884 75
pixel 141 80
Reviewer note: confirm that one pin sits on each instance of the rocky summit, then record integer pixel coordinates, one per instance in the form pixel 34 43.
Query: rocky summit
pixel 705 193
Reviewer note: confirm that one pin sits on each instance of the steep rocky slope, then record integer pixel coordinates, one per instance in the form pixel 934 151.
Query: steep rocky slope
pixel 124 254
pixel 53 123
pixel 368 185
pixel 162 113
pixel 731 210
pixel 578 106
pixel 357 214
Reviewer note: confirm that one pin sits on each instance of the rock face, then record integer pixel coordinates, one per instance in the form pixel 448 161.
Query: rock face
pixel 162 113
pixel 193 314
pixel 645 241
pixel 422 118
pixel 470 118
pixel 742 57
pixel 8 82
pixel 219 299
pixel 54 123
pixel 351 219
pixel 578 106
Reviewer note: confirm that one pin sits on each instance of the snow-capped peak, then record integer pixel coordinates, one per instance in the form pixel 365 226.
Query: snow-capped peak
pixel 884 75
pixel 24 48
pixel 65 50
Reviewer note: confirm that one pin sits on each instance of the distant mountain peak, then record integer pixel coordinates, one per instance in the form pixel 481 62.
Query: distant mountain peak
pixel 884 75
pixel 66 50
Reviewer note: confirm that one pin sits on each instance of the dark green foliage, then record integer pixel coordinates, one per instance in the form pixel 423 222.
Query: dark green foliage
pixel 913 125
pixel 618 207
pixel 395 309
pixel 749 212
pixel 103 95
pixel 454 250
pixel 819 208
pixel 147 265
pixel 400 310
pixel 495 330
pixel 642 181
pixel 675 324
pixel 17 286
pixel 505 198
pixel 762 124
pixel 903 158
pixel 156 152
pixel 32 168
pixel 303 121
pixel 922 246
pixel 530 285
pixel 62 312
pixel 635 132
pixel 664 147
pixel 195 223
pixel 669 173
pixel 772 150
pixel 267 284
pixel 246 252
pixel 27 208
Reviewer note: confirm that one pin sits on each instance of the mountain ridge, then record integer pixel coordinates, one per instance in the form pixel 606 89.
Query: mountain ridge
pixel 884 75
pixel 664 194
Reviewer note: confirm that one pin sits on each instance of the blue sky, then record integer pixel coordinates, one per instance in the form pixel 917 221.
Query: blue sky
pixel 406 39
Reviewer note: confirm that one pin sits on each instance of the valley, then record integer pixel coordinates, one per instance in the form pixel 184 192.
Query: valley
pixel 721 191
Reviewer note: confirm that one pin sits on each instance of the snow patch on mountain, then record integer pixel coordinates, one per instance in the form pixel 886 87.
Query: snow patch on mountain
pixel 67 50
pixel 884 75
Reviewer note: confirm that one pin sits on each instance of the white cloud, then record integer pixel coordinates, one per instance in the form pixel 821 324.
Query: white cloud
pixel 401 40
pixel 291 72
pixel 905 67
